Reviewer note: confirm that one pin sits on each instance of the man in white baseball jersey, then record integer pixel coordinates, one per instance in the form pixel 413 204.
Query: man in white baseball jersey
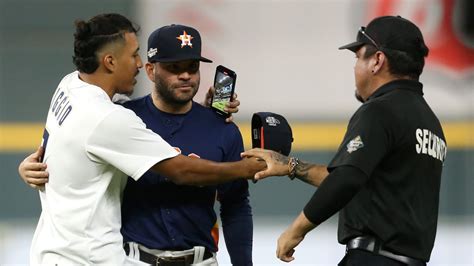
pixel 91 145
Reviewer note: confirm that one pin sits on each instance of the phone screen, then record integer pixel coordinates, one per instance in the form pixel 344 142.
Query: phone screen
pixel 224 84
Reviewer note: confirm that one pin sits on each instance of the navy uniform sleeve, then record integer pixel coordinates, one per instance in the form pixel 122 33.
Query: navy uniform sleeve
pixel 235 210
pixel 368 139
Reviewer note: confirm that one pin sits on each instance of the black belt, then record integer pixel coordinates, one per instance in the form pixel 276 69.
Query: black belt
pixel 185 260
pixel 373 245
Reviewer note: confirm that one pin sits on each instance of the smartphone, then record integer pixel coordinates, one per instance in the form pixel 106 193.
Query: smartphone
pixel 224 84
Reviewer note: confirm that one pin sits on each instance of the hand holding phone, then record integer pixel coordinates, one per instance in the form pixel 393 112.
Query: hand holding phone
pixel 224 85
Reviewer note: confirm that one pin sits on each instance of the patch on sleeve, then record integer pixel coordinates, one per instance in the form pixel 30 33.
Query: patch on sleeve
pixel 355 144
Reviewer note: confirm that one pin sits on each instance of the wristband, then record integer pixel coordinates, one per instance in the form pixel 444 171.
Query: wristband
pixel 292 164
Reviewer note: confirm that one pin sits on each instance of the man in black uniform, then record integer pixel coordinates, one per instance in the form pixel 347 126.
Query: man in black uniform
pixel 385 177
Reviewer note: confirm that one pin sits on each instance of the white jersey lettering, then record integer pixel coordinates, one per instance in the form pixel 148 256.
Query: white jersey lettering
pixel 430 144
pixel 419 139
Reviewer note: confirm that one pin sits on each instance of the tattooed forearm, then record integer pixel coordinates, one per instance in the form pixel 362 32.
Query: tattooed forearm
pixel 302 170
pixel 311 173
pixel 279 158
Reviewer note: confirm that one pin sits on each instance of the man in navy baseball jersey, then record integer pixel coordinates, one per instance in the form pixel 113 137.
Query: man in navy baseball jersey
pixel 158 214
pixel 170 223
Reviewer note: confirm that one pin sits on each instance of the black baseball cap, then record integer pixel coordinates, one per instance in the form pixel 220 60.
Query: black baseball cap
pixel 175 43
pixel 390 32
pixel 271 131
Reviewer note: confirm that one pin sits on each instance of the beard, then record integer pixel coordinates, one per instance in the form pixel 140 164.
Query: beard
pixel 169 95
pixel 358 97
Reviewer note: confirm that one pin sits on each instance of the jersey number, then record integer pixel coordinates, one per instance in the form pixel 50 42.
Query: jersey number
pixel 44 143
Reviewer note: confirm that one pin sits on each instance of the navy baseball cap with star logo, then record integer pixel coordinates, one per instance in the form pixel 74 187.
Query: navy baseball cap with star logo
pixel 174 43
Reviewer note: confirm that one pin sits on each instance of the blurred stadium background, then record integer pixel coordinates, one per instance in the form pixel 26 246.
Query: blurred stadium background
pixel 286 58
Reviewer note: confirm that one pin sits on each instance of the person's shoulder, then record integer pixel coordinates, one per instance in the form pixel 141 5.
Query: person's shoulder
pixel 206 113
pixel 208 117
pixel 135 103
pixel 374 104
pixel 376 108
pixel 117 114
pixel 198 108
pixel 103 116
pixel 70 77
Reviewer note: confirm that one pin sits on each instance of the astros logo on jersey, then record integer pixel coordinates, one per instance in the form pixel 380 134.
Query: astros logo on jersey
pixel 185 39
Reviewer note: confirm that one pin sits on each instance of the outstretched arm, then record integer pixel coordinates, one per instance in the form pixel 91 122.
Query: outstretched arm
pixel 180 169
pixel 279 165
pixel 185 170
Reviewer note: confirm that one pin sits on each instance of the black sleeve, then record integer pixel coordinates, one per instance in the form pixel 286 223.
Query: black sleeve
pixel 368 139
pixel 334 193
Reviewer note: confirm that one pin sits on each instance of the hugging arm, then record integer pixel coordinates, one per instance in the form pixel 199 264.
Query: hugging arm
pixel 32 171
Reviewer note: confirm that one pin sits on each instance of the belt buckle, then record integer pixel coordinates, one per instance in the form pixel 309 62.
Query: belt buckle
pixel 175 261
pixel 373 245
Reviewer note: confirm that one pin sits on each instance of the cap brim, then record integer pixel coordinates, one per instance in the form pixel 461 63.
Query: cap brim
pixel 177 59
pixel 352 46
pixel 203 59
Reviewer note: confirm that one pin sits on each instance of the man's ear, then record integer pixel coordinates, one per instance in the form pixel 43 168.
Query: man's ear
pixel 150 71
pixel 379 61
pixel 109 62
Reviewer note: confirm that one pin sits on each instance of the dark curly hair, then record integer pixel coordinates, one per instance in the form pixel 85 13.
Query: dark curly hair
pixel 94 34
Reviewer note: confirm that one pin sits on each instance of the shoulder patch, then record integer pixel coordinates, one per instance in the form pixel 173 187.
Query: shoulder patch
pixel 354 144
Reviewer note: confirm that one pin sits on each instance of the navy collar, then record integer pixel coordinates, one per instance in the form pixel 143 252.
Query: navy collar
pixel 154 109
pixel 403 84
